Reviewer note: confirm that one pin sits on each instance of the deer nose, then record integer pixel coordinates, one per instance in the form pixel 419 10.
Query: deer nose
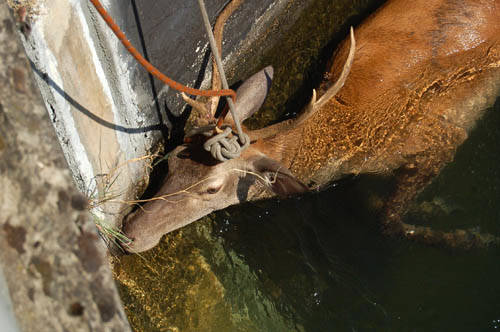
pixel 137 243
pixel 136 236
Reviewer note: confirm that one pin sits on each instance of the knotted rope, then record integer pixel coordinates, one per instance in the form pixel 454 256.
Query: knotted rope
pixel 221 146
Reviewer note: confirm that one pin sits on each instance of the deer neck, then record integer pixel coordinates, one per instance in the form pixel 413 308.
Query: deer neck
pixel 310 146
pixel 283 142
pixel 277 142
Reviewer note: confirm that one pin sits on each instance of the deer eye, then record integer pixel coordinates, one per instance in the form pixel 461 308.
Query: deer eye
pixel 213 190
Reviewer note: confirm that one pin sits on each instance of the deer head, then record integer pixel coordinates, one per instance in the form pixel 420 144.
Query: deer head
pixel 197 184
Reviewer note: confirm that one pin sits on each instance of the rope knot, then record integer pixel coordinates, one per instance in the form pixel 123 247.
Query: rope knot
pixel 222 147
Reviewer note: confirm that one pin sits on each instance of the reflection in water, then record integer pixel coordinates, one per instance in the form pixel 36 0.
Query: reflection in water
pixel 319 262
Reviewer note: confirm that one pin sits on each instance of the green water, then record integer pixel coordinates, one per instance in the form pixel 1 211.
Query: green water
pixel 319 262
pixel 336 272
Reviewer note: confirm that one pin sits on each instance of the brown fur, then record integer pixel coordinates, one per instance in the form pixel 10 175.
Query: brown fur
pixel 417 86
pixel 423 72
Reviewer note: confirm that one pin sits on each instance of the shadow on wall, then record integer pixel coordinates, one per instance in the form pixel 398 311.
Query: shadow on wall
pixel 86 112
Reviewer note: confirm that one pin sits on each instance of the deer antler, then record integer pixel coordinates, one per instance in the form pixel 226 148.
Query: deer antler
pixel 314 105
pixel 332 91
pixel 199 106
pixel 218 33
pixel 209 107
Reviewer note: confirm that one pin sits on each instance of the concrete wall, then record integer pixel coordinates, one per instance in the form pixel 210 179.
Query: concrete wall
pixel 105 108
pixel 57 276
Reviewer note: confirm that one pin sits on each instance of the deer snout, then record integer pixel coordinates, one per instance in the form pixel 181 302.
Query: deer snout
pixel 141 238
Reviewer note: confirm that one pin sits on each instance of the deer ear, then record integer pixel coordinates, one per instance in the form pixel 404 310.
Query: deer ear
pixel 251 94
pixel 280 179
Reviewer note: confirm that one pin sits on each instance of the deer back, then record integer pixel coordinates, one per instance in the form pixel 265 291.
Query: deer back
pixel 419 66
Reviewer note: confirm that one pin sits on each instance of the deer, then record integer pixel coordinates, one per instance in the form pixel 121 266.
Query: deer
pixel 397 99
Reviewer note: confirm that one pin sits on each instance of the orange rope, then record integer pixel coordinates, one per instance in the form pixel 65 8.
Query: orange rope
pixel 149 67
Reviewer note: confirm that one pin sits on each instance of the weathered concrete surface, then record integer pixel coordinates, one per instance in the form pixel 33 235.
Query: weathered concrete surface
pixel 104 107
pixel 54 264
pixel 7 318
pixel 177 44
